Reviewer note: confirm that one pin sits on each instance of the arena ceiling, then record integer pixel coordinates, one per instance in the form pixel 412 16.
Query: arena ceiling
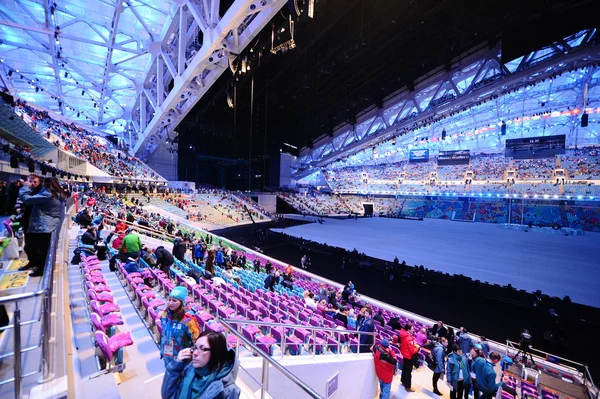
pixel 354 56
pixel 95 62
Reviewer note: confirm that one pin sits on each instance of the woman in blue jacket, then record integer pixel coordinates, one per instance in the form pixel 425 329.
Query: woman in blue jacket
pixel 210 375
pixel 47 204
pixel 458 374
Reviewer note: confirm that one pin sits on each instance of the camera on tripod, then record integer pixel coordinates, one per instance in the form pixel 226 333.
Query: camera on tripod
pixel 525 342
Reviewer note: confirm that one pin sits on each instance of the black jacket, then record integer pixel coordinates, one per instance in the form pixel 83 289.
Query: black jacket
pixel 163 257
pixel 88 238
pixel 179 248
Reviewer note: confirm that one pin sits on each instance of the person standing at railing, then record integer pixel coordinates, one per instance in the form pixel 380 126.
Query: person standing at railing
pixel 34 183
pixel 45 217
pixel 367 325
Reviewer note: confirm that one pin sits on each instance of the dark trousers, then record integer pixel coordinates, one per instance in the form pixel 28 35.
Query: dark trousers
pixel 407 367
pixel 166 269
pixel 436 378
pixel 460 391
pixel 37 245
pixel 475 389
pixel 486 395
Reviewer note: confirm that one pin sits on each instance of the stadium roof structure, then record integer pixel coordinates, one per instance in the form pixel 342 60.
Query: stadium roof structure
pixel 127 67
pixel 476 104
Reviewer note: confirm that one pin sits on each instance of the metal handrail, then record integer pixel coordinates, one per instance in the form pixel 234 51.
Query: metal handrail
pixel 513 343
pixel 142 229
pixel 267 359
pixel 45 312
pixel 306 327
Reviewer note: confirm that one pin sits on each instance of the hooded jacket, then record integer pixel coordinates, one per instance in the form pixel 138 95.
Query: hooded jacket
pixel 439 354
pixel 223 387
pixel 457 364
pixel 385 363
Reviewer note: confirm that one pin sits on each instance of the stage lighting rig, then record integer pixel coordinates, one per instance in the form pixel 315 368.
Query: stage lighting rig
pixel 282 38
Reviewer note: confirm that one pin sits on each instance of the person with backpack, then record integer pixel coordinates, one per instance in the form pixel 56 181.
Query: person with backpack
pixel 385 367
pixel 438 364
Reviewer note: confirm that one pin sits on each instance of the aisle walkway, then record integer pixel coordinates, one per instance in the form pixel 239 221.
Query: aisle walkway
pixel 142 358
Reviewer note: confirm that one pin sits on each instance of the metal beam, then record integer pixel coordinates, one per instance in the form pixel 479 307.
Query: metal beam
pixel 108 64
pixel 519 78
pixel 49 24
pixel 213 50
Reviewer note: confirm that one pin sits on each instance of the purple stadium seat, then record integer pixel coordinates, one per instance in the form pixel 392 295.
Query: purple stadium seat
pixel 302 333
pixel 294 345
pixel 225 312
pixel 253 314
pixel 250 331
pixel 100 296
pixel 104 309
pixel 109 346
pixel 265 344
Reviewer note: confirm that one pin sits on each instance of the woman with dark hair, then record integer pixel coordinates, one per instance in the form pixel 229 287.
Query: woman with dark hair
pixel 210 375
pixel 45 217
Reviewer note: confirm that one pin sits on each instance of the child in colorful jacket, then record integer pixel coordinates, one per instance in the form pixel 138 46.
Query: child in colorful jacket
pixel 179 329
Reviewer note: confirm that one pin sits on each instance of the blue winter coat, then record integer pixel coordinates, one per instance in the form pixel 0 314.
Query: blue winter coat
pixel 46 211
pixel 439 352
pixel 486 376
pixel 223 388
pixel 455 363
pixel 466 343
pixel 367 326
pixel 198 252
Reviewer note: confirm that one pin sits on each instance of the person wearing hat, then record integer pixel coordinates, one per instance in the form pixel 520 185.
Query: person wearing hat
pixel 179 329
pixel 385 367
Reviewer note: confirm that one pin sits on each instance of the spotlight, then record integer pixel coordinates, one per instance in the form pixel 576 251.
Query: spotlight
pixel 83 92
pixel 66 75
pixel 10 72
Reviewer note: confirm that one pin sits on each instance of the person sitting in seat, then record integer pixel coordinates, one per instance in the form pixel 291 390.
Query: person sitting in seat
pixel 132 264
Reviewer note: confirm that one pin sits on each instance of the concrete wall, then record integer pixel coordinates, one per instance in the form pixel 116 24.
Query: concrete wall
pixel 357 377
pixel 285 170
pixel 164 162
pixel 267 201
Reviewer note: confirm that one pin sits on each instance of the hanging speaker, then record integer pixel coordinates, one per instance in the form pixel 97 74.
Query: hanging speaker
pixel 31 166
pixel 503 129
pixel 14 161
pixel 444 134
pixel 584 120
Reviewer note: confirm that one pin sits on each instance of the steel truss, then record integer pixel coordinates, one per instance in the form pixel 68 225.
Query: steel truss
pixel 191 56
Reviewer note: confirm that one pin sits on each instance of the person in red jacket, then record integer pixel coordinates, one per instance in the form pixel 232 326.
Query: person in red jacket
pixel 385 367
pixel 409 350
pixel 119 227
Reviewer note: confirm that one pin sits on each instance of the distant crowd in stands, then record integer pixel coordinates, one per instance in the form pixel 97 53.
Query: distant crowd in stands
pixel 414 177
pixel 98 151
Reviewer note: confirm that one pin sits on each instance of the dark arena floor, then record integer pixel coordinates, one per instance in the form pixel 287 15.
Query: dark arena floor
pixel 493 310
